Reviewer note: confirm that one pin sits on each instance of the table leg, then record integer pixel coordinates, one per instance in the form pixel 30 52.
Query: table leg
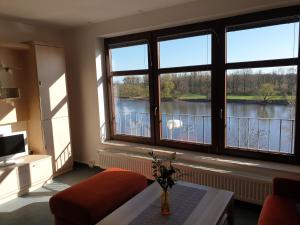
pixel 230 213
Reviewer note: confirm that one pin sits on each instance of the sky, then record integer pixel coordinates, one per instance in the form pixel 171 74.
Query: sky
pixel 272 42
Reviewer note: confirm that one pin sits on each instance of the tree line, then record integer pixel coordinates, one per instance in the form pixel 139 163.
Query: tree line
pixel 246 82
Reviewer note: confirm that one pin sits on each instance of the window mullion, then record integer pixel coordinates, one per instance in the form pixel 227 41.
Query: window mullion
pixel 297 119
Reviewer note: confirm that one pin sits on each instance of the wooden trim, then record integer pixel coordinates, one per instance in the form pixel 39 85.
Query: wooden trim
pixel 258 154
pixel 129 72
pixel 109 91
pixel 127 40
pixel 156 89
pixel 177 35
pixel 206 148
pixel 262 63
pixel 264 23
pixel 15 46
pixel 219 89
pixel 153 79
pixel 297 113
pixel 184 69
pixel 262 16
pixel 128 44
pixel 130 138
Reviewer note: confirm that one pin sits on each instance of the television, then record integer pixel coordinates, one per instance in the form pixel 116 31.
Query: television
pixel 12 147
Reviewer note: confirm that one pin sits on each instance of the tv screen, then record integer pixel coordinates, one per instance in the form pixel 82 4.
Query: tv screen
pixel 11 145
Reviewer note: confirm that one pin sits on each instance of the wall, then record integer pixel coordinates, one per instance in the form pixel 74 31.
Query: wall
pixel 84 47
pixel 14 113
pixel 12 31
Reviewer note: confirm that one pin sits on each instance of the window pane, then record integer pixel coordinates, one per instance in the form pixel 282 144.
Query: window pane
pixel 131 102
pixel 186 106
pixel 129 58
pixel 261 108
pixel 265 43
pixel 185 51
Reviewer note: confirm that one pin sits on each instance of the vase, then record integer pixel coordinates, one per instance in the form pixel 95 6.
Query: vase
pixel 165 205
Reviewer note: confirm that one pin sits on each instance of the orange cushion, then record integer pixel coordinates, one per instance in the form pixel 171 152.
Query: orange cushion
pixel 279 210
pixel 91 200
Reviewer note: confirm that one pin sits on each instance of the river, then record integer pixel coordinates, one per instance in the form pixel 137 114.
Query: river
pixel 265 127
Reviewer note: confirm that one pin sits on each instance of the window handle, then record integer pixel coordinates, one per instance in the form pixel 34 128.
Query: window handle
pixel 221 114
pixel 155 110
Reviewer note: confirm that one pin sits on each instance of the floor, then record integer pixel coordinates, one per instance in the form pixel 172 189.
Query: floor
pixel 33 208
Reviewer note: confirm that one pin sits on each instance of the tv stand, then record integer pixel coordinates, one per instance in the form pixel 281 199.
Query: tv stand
pixel 23 175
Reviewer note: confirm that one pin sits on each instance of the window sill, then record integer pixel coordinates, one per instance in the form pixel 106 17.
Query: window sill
pixel 253 169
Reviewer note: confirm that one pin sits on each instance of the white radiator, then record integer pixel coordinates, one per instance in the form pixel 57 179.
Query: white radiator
pixel 244 188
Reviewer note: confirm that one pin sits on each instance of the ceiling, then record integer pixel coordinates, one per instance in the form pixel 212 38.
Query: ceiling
pixel 79 12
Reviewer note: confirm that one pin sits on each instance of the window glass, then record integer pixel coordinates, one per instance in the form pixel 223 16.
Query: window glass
pixel 185 107
pixel 264 43
pixel 188 51
pixel 131 104
pixel 261 108
pixel 129 58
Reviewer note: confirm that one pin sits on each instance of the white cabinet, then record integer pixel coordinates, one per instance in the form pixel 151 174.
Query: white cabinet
pixel 8 181
pixel 29 173
pixel 40 170
pixel 58 142
pixel 51 73
pixel 49 110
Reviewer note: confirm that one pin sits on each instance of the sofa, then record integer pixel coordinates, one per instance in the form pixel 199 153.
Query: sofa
pixel 281 208
pixel 87 202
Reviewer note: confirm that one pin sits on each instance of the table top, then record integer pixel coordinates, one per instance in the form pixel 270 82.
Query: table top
pixel 207 212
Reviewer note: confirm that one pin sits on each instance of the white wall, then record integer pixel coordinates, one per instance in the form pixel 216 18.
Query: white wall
pixel 20 32
pixel 84 45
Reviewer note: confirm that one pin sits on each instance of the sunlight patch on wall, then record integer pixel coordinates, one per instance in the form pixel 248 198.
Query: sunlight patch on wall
pixel 99 67
pixel 63 158
pixel 62 111
pixel 101 100
pixel 57 92
pixel 10 117
pixel 61 141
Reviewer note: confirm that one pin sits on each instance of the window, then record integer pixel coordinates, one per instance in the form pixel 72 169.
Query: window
pixel 186 106
pixel 130 103
pixel 189 51
pixel 263 43
pixel 227 86
pixel 261 101
pixel 185 96
pixel 261 108
pixel 129 58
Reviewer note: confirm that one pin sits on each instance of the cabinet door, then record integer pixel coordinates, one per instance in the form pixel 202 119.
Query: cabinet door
pixel 24 176
pixel 8 181
pixel 40 170
pixel 58 143
pixel 51 72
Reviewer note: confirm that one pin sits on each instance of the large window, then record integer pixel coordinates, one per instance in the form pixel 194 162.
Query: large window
pixel 261 101
pixel 129 90
pixel 185 96
pixel 263 43
pixel 228 86
pixel 131 103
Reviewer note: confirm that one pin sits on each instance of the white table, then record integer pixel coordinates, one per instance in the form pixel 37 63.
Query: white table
pixel 213 209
